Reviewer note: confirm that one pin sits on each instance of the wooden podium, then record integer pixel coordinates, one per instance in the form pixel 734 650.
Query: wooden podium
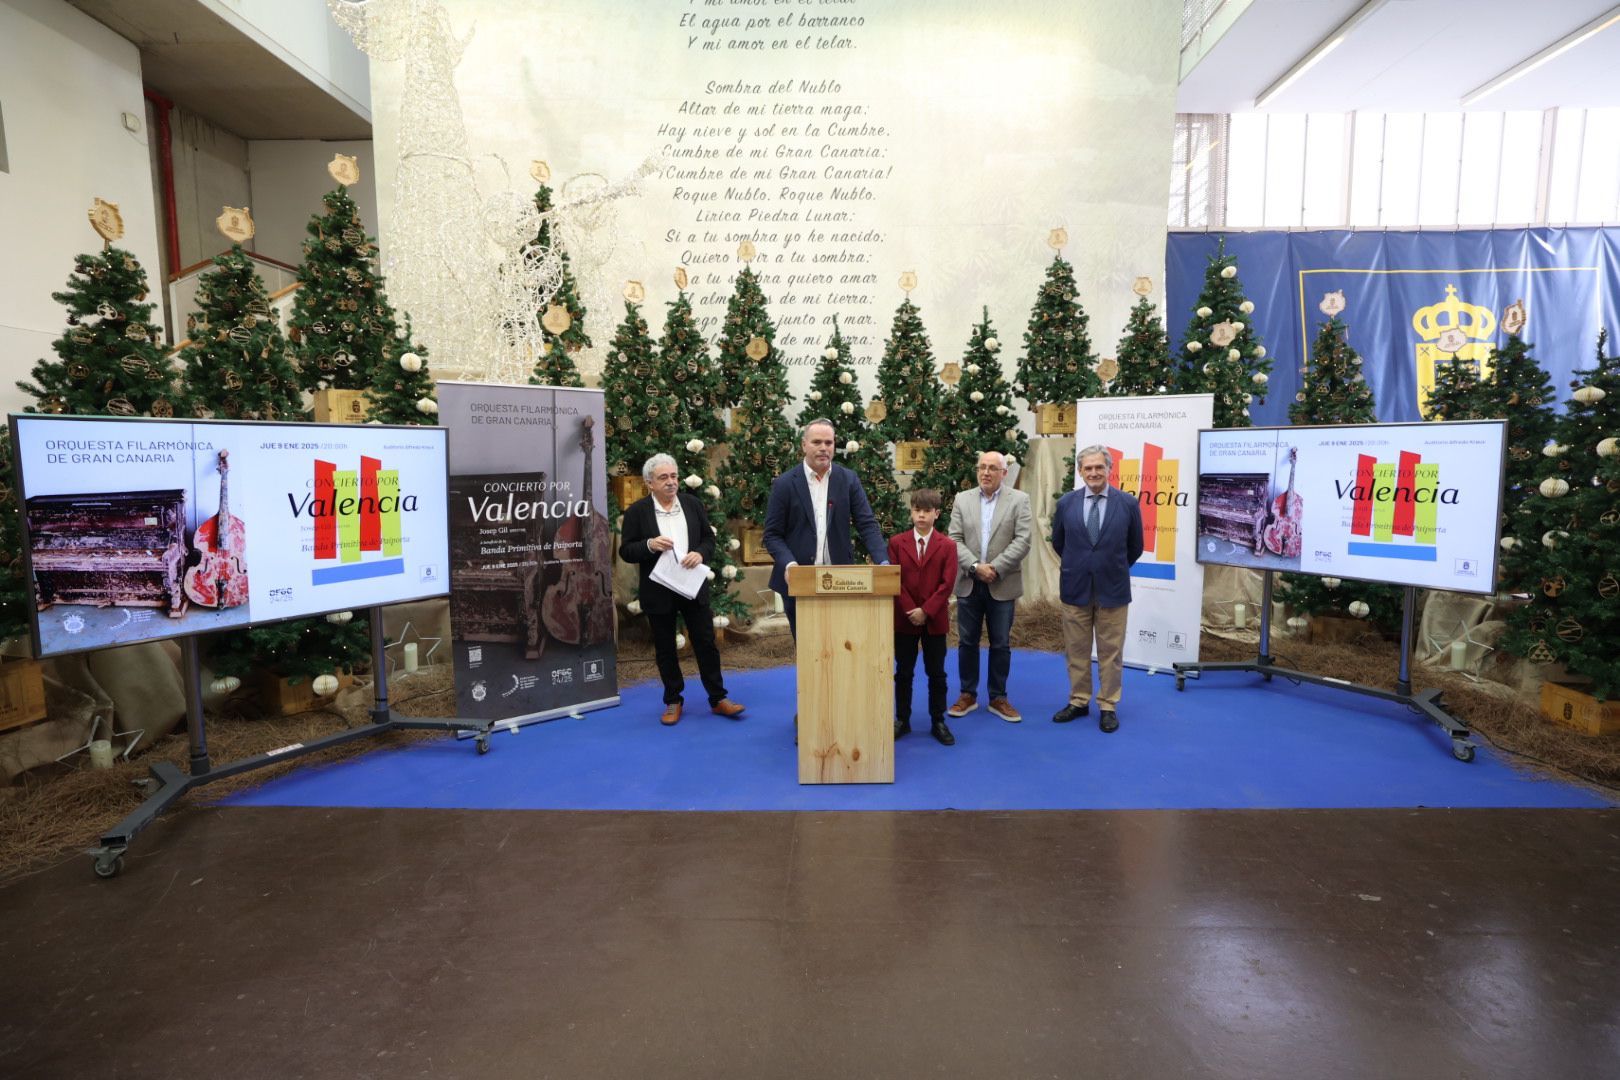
pixel 845 622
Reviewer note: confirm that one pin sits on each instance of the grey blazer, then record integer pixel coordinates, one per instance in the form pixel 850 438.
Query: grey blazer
pixel 1010 534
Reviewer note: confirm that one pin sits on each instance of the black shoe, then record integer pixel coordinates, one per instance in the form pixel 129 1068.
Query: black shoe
pixel 943 733
pixel 1070 712
pixel 902 727
pixel 1107 721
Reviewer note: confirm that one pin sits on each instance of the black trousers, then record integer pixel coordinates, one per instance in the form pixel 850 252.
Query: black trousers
pixel 700 632
pixel 905 666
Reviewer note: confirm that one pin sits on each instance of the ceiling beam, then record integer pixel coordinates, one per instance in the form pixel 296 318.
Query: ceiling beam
pixel 1551 52
pixel 1320 50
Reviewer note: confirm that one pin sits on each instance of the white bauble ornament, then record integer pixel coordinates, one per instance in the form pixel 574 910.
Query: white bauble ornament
pixel 325 685
pixel 847 408
pixel 633 607
pixel 733 544
pixel 1359 608
pixel 1228 272
pixel 320 384
pixel 695 445
pixel 1260 378
pixel 399 332
pixel 991 344
pixel 851 446
pixel 680 641
pixel 1330 583
pixel 694 481
pixel 728 572
pixel 1259 352
pixel 1509 543
pixel 1164 390
pixel 719 622
pixel 1247 307
pixel 225 684
pixel 1554 487
pixel 1233 354
pixel 1204 312
pixel 974 369
pixel 1237 327
pixel 815 395
pixel 1608 447
pixel 338 618
pixel 712 491
pixel 1551 537
pixel 410 362
pixel 1207 368
pixel 1195 346
pixel 1552 449
pixel 829 353
pixel 1589 395
pixel 1245 412
pixel 1297 622
pixel 976 396
pixel 845 378
pixel 709 574
pixel 1001 410
pixel 427 407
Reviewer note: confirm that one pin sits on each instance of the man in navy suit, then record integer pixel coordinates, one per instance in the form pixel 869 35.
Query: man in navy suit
pixel 1097 533
pixel 812 504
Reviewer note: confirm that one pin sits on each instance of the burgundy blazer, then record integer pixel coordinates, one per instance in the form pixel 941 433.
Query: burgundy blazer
pixel 927 586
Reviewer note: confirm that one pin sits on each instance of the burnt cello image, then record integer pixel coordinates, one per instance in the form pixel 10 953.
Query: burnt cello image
pixel 578 604
pixel 220 578
pixel 1281 534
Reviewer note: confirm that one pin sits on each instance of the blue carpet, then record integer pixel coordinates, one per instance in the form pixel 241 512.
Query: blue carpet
pixel 1228 741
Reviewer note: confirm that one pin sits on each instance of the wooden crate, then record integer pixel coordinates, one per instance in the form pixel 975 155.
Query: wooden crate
pixel 627 489
pixel 341 406
pixel 288 699
pixel 1572 707
pixel 1334 629
pixel 911 454
pixel 22 693
pixel 1054 419
pixel 753 546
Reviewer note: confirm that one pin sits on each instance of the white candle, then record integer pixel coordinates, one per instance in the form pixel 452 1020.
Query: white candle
pixel 1240 616
pixel 410 655
pixel 1459 655
pixel 101 755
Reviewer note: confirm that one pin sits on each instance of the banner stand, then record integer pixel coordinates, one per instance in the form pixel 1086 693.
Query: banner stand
pixel 1427 702
pixel 172 783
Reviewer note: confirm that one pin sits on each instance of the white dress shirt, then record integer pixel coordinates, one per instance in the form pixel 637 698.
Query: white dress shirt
pixel 819 488
pixel 987 511
pixel 672 523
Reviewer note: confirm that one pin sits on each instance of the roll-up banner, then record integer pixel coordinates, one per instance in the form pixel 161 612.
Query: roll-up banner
pixel 1403 504
pixel 531 576
pixel 1153 442
pixel 139 529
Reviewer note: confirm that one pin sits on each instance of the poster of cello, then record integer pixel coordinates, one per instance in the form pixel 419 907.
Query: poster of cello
pixel 1404 504
pixel 531 608
pixel 138 529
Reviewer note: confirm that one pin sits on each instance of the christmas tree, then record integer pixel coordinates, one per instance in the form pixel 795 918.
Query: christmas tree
pixel 562 324
pixel 296 650
pixel 402 390
pixel 1144 360
pixel 235 363
pixel 688 376
pixel 975 417
pixel 1337 393
pixel 747 320
pixel 950 455
pixel 1574 612
pixel 108 361
pixel 906 381
pixel 763 444
pixel 1220 352
pixel 342 327
pixel 1058 366
pixel 627 374
pixel 16 591
pixel 835 393
pixel 1455 393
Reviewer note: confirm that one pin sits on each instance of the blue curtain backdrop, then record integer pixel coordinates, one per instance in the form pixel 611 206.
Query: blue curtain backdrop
pixel 1403 291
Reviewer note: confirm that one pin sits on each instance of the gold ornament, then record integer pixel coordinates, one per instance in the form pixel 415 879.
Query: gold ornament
pixel 634 292
pixel 1608 587
pixel 353 275
pixel 758 348
pixel 120 407
pixel 162 408
pixel 1540 654
pixel 233 381
pixel 78 371
pixel 908 281
pixel 132 364
pixel 354 237
pixel 1223 334
pixel 746 251
pixel 1058 239
pixel 135 332
pixel 235 224
pixel 238 334
pixel 1610 517
pixel 52 404
pixel 680 278
pixel 1332 303
pixel 1142 286
pixel 556 319
pixel 106 220
pixel 1513 318
pixel 951 373
pixel 1108 369
pixel 1553 586
pixel 876 411
pixel 81 335
pixel 540 171
pixel 1570 630
pixel 344 169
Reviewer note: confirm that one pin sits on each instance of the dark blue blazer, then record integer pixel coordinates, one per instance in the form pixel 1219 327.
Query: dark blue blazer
pixel 1101 573
pixel 790 521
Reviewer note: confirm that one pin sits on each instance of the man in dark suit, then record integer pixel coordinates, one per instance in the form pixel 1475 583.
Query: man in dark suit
pixel 1097 533
pixel 808 518
pixel 669 519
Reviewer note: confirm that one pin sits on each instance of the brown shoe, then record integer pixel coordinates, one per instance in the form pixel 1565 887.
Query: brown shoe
pixel 1003 708
pixel 964 705
pixel 672 714
pixel 727 708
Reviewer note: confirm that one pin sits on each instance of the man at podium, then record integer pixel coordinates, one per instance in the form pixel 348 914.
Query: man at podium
pixel 811 507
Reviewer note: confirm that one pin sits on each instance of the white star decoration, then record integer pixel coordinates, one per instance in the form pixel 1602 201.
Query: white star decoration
pixel 408 633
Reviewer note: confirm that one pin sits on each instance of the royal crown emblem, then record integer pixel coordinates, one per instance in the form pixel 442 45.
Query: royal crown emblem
pixel 1451 330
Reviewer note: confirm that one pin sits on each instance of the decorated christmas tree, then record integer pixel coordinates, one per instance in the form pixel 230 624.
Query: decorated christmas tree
pixel 296 650
pixel 562 323
pixel 235 364
pixel 1220 352
pixel 950 455
pixel 747 320
pixel 835 393
pixel 1058 366
pixel 977 415
pixel 1573 616
pixel 627 387
pixel 1455 392
pixel 907 384
pixel 342 327
pixel 16 592
pixel 108 361
pixel 1337 393
pixel 688 376
pixel 1145 366
pixel 402 390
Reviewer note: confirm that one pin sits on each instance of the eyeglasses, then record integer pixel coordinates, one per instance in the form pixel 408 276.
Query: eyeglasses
pixel 989 468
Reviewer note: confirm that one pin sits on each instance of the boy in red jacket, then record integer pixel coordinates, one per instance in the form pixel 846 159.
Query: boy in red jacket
pixel 927 562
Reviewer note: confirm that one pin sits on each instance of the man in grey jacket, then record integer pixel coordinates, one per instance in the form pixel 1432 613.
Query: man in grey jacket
pixel 991 527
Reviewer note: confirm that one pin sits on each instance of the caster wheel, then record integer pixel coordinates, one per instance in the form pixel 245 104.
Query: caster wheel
pixel 483 746
pixel 1462 751
pixel 109 868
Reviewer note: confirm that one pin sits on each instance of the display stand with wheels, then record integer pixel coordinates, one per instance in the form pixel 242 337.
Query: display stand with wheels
pixel 1426 702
